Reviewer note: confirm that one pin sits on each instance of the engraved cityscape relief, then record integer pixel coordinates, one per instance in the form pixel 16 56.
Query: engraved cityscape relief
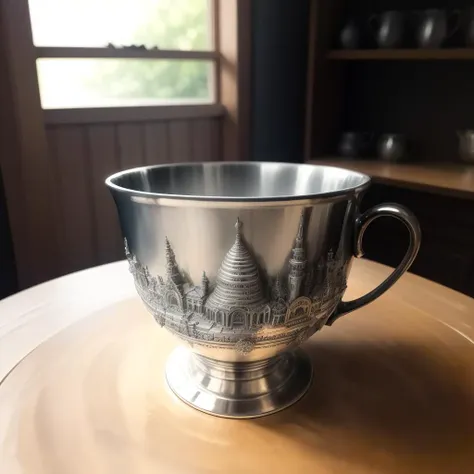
pixel 237 311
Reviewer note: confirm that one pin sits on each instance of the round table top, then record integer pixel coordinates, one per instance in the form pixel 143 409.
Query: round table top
pixel 82 388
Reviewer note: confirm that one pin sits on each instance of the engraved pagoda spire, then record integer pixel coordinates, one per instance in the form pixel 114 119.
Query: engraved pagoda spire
pixel 277 290
pixel 238 282
pixel 204 284
pixel 297 263
pixel 172 270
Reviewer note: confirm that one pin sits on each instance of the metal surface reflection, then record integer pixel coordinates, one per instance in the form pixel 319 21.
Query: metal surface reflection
pixel 244 262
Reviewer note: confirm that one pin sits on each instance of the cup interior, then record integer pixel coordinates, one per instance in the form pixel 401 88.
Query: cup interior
pixel 238 181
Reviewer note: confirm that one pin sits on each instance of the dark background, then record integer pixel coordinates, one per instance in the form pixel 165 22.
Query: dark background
pixel 279 68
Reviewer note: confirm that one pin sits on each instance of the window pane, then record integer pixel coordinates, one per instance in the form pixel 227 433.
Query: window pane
pixel 167 24
pixel 76 83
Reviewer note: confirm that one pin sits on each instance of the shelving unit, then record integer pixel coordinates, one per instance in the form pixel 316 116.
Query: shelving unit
pixel 453 54
pixel 454 180
pixel 424 94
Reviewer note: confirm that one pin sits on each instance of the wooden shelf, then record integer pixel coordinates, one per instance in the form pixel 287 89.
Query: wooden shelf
pixel 464 54
pixel 447 179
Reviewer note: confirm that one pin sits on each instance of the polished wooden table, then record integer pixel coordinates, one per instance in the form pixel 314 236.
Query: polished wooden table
pixel 82 388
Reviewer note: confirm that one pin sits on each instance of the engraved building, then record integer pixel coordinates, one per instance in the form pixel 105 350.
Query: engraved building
pixel 239 301
pixel 297 265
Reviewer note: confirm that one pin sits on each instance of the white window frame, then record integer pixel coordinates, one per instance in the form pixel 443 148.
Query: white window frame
pixel 145 112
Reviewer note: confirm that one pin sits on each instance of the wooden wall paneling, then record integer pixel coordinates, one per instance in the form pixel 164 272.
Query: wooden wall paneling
pixel 26 166
pixel 130 140
pixel 77 231
pixel 233 41
pixel 156 143
pixel 58 264
pixel 226 16
pixel 244 78
pixel 201 139
pixel 8 276
pixel 216 141
pixel 180 141
pixel 10 167
pixel 103 162
pixel 84 155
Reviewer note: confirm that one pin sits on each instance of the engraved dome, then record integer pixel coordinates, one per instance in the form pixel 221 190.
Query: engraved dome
pixel 238 281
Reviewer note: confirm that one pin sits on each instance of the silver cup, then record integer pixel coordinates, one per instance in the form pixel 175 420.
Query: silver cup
pixel 392 147
pixel 388 28
pixel 244 262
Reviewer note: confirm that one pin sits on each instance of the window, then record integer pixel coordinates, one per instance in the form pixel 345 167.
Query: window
pixel 110 53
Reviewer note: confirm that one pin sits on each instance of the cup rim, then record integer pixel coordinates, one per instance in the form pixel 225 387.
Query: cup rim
pixel 365 181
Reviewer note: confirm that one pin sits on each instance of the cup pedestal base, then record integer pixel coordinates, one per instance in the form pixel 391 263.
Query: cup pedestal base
pixel 238 390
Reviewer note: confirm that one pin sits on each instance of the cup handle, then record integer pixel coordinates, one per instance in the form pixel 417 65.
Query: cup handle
pixel 361 224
